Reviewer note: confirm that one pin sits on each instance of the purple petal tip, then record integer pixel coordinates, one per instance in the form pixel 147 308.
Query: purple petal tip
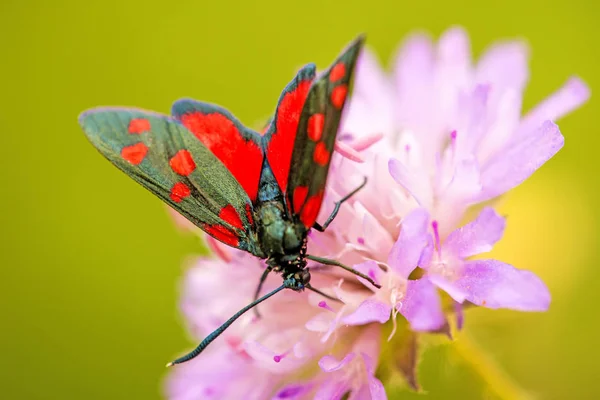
pixel 579 88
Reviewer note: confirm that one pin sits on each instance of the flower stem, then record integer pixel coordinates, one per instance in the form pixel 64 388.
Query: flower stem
pixel 489 371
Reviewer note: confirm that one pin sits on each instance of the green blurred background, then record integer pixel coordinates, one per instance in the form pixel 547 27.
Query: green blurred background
pixel 90 261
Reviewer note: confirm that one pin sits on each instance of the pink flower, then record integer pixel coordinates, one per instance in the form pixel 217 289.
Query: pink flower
pixel 452 131
pixel 436 137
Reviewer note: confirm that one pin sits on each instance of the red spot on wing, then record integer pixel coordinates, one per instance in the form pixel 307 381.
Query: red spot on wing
pixel 243 158
pixel 249 216
pixel 138 126
pixel 321 154
pixel 315 126
pixel 311 210
pixel 223 234
pixel 281 145
pixel 229 214
pixel 183 163
pixel 338 96
pixel 135 153
pixel 180 191
pixel 337 72
pixel 300 193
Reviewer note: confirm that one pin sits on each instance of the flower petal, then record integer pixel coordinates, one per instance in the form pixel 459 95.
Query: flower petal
pixel 330 363
pixel 371 80
pixel 572 95
pixel 504 65
pixel 420 189
pixel 413 67
pixel 458 195
pixel 370 310
pixel 478 236
pixel 427 253
pixel 376 389
pixel 494 284
pixel 414 72
pixel 348 152
pixel 332 389
pixel 407 250
pixel 366 229
pixel 293 391
pixel 373 389
pixel 320 322
pixel 369 109
pixel 422 306
pixel 452 72
pixel 372 270
pixel 522 156
pixel 449 287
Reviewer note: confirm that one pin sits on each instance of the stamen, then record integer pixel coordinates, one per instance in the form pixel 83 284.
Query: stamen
pixel 348 152
pixel 235 343
pixel 436 234
pixel 453 142
pixel 323 304
pixel 407 149
pixel 279 357
pixel 371 273
pixel 396 304
pixel 367 141
pixel 360 240
pixel 345 136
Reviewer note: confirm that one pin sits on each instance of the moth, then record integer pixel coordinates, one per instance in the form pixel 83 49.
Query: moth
pixel 258 193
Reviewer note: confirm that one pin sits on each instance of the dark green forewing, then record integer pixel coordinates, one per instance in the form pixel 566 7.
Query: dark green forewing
pixel 166 158
pixel 315 138
pixel 237 147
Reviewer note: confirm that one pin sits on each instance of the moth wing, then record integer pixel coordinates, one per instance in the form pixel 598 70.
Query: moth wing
pixel 166 158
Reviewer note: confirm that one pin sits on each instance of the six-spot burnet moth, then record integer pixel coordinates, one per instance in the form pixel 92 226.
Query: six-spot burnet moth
pixel 258 193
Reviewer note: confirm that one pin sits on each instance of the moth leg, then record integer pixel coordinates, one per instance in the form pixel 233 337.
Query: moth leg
pixel 327 261
pixel 263 278
pixel 336 208
pixel 310 287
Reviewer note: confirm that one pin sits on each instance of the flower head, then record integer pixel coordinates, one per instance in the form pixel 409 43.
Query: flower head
pixel 451 130
pixel 437 136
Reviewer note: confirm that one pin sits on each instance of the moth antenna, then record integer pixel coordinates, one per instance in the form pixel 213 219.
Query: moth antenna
pixel 327 261
pixel 215 334
pixel 310 287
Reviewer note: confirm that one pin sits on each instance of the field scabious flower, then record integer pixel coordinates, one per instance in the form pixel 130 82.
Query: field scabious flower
pixel 434 138
pixel 451 130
